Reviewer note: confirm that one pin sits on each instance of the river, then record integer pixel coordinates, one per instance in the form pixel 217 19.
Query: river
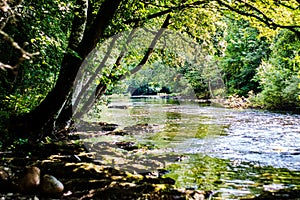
pixel 235 153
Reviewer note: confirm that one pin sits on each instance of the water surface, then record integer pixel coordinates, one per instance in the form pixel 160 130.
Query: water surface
pixel 236 153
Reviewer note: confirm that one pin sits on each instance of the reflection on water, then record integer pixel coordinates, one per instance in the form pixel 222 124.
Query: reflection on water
pixel 229 179
pixel 232 152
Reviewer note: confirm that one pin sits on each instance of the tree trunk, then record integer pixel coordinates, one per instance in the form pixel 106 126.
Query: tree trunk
pixel 34 123
pixel 101 88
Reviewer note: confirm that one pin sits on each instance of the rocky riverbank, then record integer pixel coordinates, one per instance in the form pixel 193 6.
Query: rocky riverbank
pixel 78 176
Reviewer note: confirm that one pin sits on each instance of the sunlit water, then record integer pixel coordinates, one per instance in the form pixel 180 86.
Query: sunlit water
pixel 235 153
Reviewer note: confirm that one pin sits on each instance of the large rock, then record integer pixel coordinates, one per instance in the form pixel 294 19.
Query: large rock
pixel 30 181
pixel 51 186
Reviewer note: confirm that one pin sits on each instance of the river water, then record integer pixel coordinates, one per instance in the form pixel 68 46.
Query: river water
pixel 235 153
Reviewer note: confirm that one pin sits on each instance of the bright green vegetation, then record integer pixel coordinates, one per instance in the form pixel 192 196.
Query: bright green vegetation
pixel 277 75
pixel 242 57
pixel 245 47
pixel 221 48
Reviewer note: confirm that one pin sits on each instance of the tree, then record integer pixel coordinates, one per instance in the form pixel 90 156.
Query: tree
pixel 47 110
pixel 278 75
pixel 242 56
pixel 268 16
pixel 95 21
pixel 42 117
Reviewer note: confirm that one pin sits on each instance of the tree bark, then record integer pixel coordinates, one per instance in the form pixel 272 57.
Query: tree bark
pixel 34 122
pixel 78 28
pixel 101 88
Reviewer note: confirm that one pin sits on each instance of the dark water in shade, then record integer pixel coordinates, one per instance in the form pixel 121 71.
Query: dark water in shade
pixel 235 153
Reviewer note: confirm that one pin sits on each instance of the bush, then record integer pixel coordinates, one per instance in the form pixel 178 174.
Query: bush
pixel 278 75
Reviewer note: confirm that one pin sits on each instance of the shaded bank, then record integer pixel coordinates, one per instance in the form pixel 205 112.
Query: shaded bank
pixel 84 178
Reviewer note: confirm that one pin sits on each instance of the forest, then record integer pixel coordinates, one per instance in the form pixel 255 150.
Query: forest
pixel 61 60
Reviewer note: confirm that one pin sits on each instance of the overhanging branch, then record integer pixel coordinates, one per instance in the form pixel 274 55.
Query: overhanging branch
pixel 167 11
pixel 260 16
pixel 101 87
pixel 24 54
pixel 152 45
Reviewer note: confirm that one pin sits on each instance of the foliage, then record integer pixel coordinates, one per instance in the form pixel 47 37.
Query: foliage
pixel 43 26
pixel 268 16
pixel 278 75
pixel 243 55
pixel 155 78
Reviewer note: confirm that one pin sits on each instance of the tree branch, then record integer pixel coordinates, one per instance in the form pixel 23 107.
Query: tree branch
pixel 152 45
pixel 4 6
pixel 8 13
pixel 101 86
pixel 263 18
pixel 287 6
pixel 92 36
pixel 78 24
pixel 83 92
pixel 42 115
pixel 24 54
pixel 167 11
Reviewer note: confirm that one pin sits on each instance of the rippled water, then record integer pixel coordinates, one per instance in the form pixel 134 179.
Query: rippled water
pixel 232 152
pixel 261 137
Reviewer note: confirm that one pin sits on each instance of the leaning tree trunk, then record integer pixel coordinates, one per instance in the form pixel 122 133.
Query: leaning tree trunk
pixel 60 120
pixel 35 122
pixel 102 86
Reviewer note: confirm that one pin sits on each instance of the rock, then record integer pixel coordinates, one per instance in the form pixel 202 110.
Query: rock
pixel 51 186
pixel 162 172
pixel 143 128
pixel 30 181
pixel 5 182
pixel 119 107
pixel 4 176
pixel 117 132
pixel 181 158
pixel 129 146
pixel 107 126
